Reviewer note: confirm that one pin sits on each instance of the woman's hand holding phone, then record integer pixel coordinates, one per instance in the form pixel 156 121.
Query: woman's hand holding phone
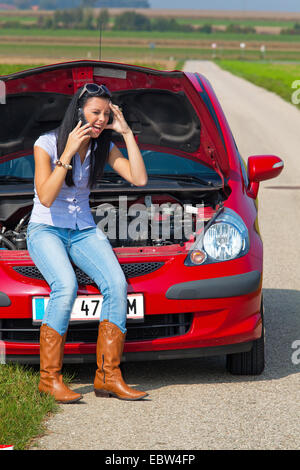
pixel 79 135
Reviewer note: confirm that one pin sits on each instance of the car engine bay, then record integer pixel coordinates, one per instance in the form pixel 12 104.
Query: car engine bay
pixel 131 219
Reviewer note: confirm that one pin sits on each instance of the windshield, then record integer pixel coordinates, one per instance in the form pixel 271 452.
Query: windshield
pixel 157 163
pixel 22 167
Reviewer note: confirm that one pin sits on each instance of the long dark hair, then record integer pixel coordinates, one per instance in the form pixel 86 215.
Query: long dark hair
pixel 99 156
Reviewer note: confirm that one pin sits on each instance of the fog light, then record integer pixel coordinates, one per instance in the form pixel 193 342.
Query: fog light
pixel 197 256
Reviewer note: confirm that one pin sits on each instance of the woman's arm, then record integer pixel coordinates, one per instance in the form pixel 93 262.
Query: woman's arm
pixel 133 169
pixel 48 183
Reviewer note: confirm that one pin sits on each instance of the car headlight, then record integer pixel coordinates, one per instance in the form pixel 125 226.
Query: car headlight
pixel 223 240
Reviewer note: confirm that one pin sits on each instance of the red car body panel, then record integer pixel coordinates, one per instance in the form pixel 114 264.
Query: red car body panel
pixel 216 322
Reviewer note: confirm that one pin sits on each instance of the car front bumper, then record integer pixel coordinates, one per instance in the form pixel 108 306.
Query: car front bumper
pixel 210 315
pixel 224 329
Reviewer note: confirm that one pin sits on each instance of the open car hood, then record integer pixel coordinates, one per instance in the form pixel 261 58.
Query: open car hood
pixel 164 109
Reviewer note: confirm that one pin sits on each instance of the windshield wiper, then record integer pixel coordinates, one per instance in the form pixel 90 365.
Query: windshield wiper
pixel 187 178
pixel 14 179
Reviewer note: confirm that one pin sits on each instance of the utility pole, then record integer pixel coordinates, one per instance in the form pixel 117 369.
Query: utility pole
pixel 100 39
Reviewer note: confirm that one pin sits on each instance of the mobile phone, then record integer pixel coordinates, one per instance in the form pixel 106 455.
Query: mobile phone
pixel 81 117
pixel 111 118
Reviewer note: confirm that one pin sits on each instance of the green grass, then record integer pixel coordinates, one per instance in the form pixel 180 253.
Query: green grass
pixel 22 408
pixel 137 53
pixel 275 77
pixel 59 33
pixel 150 35
pixel 37 50
pixel 218 35
pixel 6 69
pixel 159 66
pixel 30 19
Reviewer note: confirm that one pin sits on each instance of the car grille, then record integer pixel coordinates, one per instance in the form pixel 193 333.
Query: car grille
pixel 130 270
pixel 154 326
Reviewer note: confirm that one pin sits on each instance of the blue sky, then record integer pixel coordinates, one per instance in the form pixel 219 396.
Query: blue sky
pixel 262 5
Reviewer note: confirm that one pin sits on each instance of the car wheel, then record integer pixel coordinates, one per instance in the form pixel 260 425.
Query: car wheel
pixel 250 362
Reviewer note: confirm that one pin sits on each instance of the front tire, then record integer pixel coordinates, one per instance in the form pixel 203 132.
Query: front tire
pixel 250 362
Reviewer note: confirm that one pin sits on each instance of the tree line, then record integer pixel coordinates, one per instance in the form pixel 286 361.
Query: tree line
pixel 82 18
pixel 87 19
pixel 294 30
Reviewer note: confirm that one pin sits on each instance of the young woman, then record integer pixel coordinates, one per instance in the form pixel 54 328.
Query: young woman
pixel 61 228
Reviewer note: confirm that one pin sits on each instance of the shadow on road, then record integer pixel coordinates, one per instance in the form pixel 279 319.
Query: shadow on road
pixel 282 328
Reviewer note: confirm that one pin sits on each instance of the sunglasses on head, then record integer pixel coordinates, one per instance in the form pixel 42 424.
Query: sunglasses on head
pixel 94 89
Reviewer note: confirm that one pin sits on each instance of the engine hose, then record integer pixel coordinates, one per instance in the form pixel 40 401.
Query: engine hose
pixel 7 243
pixel 21 223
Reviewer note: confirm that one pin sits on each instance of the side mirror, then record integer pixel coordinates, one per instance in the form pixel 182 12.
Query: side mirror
pixel 261 168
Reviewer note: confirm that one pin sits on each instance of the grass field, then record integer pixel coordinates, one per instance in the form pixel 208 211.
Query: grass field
pixel 144 46
pixel 152 35
pixel 6 69
pixel 22 408
pixel 23 19
pixel 162 48
pixel 277 78
pixel 45 53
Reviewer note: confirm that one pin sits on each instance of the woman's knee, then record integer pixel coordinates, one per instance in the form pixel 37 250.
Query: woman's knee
pixel 119 280
pixel 120 285
pixel 65 287
pixel 115 285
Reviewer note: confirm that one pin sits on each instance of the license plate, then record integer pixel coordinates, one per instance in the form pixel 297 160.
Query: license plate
pixel 89 308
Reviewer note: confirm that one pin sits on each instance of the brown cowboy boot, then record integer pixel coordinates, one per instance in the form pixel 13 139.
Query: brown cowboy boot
pixel 108 380
pixel 51 358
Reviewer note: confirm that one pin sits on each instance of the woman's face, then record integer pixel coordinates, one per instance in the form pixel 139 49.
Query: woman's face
pixel 97 112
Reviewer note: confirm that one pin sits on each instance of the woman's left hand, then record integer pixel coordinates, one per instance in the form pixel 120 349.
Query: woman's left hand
pixel 119 124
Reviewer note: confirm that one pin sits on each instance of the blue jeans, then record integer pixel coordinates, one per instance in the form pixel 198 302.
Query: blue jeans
pixel 52 248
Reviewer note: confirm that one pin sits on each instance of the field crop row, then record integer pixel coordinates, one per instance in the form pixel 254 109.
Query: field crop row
pixel 152 36
pixel 144 53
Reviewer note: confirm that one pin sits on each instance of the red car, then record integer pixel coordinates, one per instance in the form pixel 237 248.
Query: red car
pixel 189 242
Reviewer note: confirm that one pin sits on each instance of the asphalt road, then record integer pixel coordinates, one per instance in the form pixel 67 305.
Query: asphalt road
pixel 196 404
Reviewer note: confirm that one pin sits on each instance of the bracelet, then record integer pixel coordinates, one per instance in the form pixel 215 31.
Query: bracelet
pixel 65 165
